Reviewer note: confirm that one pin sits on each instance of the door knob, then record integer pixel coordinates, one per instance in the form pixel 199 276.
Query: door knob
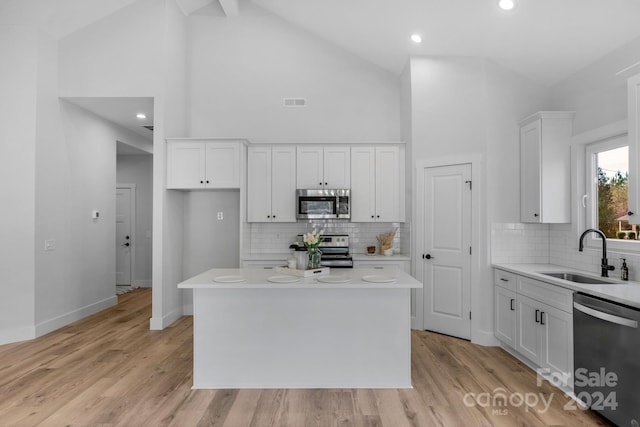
pixel 427 256
pixel 126 244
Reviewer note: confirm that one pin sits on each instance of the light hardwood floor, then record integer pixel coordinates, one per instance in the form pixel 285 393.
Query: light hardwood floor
pixel 111 370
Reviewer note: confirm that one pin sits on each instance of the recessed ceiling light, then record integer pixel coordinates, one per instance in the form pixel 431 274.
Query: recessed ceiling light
pixel 416 38
pixel 506 4
pixel 141 116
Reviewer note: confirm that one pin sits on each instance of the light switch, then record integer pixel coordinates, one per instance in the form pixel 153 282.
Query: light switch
pixel 220 216
pixel 50 245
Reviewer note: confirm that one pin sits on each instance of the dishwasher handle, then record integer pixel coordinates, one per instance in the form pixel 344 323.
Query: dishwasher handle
pixel 606 316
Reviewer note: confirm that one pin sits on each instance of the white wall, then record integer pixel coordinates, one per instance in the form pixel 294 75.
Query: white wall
pixel 241 68
pixel 138 170
pixel 469 108
pixel 120 55
pixel 598 92
pixel 140 51
pixel 17 171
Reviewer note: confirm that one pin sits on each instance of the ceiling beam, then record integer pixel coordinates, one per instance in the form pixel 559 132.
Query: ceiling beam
pixel 230 7
pixel 190 6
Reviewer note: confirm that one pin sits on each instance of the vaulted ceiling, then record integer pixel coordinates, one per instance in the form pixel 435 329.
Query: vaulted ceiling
pixel 545 40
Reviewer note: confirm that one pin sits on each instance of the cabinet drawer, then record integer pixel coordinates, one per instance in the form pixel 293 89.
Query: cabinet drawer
pixel 505 279
pixel 552 295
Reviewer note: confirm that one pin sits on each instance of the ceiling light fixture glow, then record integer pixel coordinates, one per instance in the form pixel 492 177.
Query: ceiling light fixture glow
pixel 141 116
pixel 416 38
pixel 506 4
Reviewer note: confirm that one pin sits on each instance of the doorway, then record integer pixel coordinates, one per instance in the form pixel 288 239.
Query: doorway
pixel 443 247
pixel 125 232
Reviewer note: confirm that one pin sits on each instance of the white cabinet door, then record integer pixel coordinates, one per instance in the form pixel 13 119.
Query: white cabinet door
pixel 376 184
pixel 222 162
pixel 195 165
pixel 505 315
pixel 556 352
pixel 528 335
pixel 363 188
pixel 310 169
pixel 633 101
pixel 530 200
pixel 322 167
pixel 283 184
pixel 337 166
pixel 271 177
pixel 545 163
pixel 185 165
pixel 388 184
pixel 382 264
pixel 259 184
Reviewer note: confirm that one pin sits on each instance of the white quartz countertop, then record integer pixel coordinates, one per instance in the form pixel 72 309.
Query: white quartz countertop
pixel 622 292
pixel 357 257
pixel 345 278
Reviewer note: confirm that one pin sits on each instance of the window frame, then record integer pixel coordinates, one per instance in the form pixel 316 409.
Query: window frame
pixel 585 145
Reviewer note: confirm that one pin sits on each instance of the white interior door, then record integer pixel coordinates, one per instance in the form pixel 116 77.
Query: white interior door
pixel 446 257
pixel 123 236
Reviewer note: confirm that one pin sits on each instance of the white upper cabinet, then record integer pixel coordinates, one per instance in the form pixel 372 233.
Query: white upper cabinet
pixel 271 178
pixel 377 183
pixel 633 111
pixel 545 167
pixel 197 164
pixel 320 167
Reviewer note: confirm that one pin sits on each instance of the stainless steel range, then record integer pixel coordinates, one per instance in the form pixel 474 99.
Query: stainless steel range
pixel 335 250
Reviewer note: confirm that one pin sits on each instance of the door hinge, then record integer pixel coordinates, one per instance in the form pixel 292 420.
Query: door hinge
pixel 470 184
pixel 469 250
pixel 469 315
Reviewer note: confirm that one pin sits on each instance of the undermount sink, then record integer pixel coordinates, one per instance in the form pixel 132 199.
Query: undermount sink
pixel 577 278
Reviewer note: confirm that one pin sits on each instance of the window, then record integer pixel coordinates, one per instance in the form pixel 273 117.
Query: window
pixel 608 177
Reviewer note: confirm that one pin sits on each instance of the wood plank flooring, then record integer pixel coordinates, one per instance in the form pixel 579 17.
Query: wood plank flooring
pixel 111 370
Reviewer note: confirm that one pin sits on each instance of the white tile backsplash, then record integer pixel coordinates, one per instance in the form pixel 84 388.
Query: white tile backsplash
pixel 563 250
pixel 266 238
pixel 555 244
pixel 519 243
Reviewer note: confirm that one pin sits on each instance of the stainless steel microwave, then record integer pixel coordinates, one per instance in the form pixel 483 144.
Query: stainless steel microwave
pixel 323 204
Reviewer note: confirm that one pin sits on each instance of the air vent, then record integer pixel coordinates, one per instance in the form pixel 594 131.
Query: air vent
pixel 148 127
pixel 294 102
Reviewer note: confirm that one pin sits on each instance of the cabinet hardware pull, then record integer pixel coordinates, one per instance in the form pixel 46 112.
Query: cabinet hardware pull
pixel 537 313
pixel 326 183
pixel 630 213
pixel 542 313
pixel 511 304
pixel 201 182
pixel 504 280
pixel 536 215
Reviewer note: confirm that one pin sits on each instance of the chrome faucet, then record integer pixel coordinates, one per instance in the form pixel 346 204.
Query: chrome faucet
pixel 605 267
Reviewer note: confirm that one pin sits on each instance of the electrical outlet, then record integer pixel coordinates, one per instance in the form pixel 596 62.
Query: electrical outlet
pixel 220 216
pixel 50 245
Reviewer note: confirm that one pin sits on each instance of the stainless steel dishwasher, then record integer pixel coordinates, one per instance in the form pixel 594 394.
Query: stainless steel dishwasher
pixel 606 348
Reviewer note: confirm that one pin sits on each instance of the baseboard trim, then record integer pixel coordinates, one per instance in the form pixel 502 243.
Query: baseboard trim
pixel 187 310
pixel 484 338
pixel 142 283
pixel 70 317
pixel 159 323
pixel 25 333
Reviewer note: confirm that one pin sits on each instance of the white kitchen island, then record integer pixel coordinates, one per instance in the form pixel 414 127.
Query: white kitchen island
pixel 256 333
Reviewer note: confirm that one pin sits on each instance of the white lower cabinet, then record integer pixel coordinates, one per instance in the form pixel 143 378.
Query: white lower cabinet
pixel 535 319
pixel 266 264
pixel 505 315
pixel 383 264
